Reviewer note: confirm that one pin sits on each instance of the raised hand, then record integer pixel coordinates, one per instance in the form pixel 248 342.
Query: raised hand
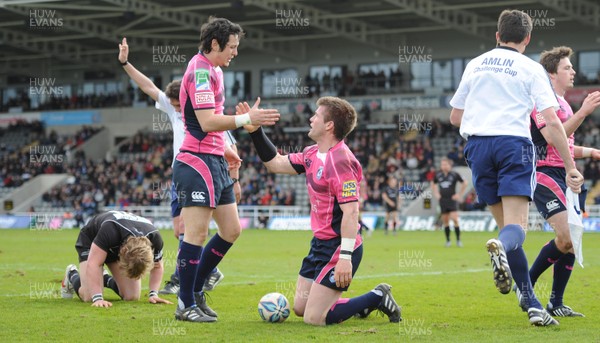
pixel 123 51
pixel 590 103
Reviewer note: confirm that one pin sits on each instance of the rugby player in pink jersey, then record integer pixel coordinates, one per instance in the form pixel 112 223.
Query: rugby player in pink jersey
pixel 333 176
pixel 549 196
pixel 203 186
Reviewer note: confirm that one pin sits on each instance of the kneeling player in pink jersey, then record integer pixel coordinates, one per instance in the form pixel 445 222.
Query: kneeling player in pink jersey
pixel 333 176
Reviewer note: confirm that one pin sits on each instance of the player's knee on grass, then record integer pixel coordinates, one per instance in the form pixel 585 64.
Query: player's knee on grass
pixel 299 309
pixel 314 319
pixel 130 296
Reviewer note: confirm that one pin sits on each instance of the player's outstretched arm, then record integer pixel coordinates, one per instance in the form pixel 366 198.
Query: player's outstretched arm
pixel 590 103
pixel 554 133
pixel 275 162
pixel 156 275
pixel 145 84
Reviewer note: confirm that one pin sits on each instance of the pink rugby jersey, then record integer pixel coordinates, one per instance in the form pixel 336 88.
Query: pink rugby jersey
pixel 201 89
pixel 547 155
pixel 333 178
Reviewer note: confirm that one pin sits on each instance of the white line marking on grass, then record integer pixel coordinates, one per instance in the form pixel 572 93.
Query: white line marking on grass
pixel 259 279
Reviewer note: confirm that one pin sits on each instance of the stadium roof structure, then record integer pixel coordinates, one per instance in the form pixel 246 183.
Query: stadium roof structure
pixel 73 34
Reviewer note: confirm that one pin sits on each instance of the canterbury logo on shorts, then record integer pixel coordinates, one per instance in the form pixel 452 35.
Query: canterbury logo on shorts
pixel 198 196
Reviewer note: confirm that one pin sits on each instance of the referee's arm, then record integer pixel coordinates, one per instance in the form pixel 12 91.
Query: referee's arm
pixel 456 116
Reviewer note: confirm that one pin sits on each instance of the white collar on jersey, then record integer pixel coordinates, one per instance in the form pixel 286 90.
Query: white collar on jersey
pixel 322 156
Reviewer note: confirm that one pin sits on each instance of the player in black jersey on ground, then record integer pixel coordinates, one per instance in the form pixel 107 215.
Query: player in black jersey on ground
pixel 129 245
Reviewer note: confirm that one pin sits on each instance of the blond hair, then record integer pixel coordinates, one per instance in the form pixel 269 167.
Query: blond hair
pixel 136 257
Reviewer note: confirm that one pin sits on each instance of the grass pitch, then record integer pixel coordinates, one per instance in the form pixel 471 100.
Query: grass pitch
pixel 447 294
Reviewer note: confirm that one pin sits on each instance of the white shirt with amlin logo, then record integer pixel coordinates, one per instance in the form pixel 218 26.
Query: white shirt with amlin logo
pixel 497 92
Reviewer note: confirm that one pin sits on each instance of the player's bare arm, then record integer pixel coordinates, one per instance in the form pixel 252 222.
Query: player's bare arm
pixel 463 191
pixel 554 133
pixel 456 116
pixel 349 228
pixel 95 265
pixel 156 275
pixel 436 191
pixel 145 84
pixel 585 152
pixel 387 199
pixel 235 162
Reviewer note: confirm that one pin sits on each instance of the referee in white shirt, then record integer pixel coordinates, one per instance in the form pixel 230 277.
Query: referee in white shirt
pixel 492 106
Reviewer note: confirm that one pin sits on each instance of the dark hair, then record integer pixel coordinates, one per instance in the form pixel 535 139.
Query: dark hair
pixel 341 113
pixel 551 58
pixel 514 26
pixel 172 90
pixel 219 29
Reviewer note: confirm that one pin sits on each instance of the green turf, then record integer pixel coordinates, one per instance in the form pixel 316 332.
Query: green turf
pixel 447 294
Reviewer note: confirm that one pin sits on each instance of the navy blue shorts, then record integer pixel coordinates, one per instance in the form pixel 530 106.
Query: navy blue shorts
pixel 549 196
pixel 501 166
pixel 319 264
pixel 175 208
pixel 202 180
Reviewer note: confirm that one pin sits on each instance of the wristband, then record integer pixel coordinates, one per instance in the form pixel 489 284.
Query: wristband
pixel 345 257
pixel 586 152
pixel 97 297
pixel 235 180
pixel 242 119
pixel 348 244
pixel 124 63
pixel 152 294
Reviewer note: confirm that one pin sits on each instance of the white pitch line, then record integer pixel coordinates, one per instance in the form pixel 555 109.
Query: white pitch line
pixel 371 276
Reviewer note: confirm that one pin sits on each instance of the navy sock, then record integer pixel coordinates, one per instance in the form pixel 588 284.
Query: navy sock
pixel 346 308
pixel 447 231
pixel 213 253
pixel 520 273
pixel 512 237
pixel 175 276
pixel 188 261
pixel 457 232
pixel 75 281
pixel 562 272
pixel 109 282
pixel 547 257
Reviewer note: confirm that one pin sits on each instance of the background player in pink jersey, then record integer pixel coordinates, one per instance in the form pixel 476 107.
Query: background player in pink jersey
pixel 550 191
pixel 333 176
pixel 168 102
pixel 204 188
